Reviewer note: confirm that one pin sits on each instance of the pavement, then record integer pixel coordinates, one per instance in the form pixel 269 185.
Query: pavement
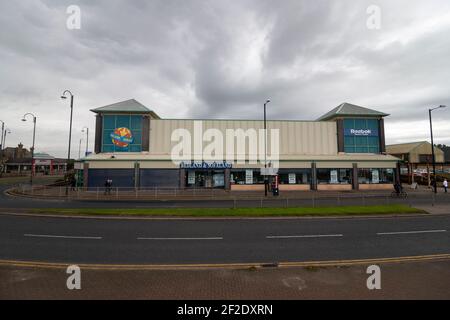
pixel 412 280
pixel 287 199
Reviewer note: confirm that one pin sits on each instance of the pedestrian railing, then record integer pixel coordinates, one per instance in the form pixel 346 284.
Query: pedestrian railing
pixel 233 198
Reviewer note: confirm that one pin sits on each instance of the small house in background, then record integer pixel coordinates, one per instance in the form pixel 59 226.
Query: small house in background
pixel 417 159
pixel 18 161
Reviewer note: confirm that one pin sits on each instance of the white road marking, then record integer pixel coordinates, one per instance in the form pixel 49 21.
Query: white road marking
pixel 64 237
pixel 306 236
pixel 208 238
pixel 410 232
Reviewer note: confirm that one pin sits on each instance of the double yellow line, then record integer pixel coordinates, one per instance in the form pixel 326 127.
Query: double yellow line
pixel 330 263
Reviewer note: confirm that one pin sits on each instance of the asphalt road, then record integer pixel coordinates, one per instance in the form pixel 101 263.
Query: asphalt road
pixel 134 241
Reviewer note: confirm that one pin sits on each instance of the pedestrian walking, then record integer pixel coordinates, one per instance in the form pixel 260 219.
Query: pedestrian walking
pixel 445 184
pixel 108 184
pixel 73 184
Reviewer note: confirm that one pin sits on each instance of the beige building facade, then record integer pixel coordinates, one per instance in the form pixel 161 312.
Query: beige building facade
pixel 342 150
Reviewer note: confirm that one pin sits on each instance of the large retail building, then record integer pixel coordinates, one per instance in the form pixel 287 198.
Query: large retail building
pixel 342 150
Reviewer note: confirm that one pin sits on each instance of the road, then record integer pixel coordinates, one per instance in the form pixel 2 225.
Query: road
pixel 137 241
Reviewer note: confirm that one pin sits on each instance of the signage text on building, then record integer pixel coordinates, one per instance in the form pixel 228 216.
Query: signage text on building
pixel 361 132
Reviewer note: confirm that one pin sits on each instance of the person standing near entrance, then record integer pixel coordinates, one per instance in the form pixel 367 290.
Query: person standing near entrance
pixel 108 186
pixel 445 184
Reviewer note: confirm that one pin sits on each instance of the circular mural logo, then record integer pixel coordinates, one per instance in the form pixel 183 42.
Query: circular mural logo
pixel 122 137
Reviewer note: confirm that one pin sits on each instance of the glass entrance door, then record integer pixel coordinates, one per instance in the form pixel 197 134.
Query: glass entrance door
pixel 205 179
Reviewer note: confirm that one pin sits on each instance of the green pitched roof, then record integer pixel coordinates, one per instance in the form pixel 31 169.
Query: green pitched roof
pixel 347 109
pixel 127 106
pixel 43 155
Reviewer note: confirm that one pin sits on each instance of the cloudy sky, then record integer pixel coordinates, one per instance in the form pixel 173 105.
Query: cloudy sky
pixel 222 59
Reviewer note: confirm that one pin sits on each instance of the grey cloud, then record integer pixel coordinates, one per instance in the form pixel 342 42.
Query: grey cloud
pixel 222 59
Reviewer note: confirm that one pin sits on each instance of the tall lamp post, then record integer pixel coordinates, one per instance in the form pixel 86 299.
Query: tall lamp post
pixel 63 96
pixel 265 149
pixel 432 147
pixel 7 131
pixel 79 149
pixel 34 139
pixel 4 133
pixel 3 129
pixel 86 129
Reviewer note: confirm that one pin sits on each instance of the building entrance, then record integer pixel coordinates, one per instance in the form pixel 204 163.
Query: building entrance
pixel 205 179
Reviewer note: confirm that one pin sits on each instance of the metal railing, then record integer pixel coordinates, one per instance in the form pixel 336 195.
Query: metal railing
pixel 232 198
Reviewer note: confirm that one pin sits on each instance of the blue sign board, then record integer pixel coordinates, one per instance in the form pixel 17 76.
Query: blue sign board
pixel 361 132
pixel 205 165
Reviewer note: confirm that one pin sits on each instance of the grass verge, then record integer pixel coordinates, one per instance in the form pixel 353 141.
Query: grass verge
pixel 241 212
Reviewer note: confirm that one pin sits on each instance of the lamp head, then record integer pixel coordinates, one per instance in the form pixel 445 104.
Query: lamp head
pixel 442 106
pixel 63 97
pixel 23 119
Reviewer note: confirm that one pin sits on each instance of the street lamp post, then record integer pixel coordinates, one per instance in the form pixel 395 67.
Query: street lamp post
pixel 432 147
pixel 265 149
pixel 63 96
pixel 79 149
pixel 7 131
pixel 4 132
pixel 3 129
pixel 34 139
pixel 86 129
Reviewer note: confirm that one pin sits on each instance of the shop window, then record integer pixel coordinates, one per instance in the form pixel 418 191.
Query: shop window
pixel 425 158
pixel 205 179
pixel 334 176
pixel 294 176
pixel 247 176
pixel 375 176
